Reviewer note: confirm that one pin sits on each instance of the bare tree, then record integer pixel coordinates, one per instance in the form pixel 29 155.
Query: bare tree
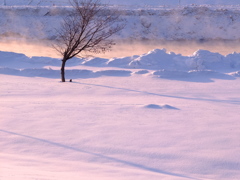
pixel 87 28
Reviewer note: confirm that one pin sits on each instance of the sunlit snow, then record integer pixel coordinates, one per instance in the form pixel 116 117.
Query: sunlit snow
pixel 158 115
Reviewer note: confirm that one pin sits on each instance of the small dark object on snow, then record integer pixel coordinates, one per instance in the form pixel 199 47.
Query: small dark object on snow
pixel 70 80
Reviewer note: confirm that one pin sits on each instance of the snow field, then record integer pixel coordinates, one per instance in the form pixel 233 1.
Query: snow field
pixel 154 116
pixel 116 122
pixel 110 124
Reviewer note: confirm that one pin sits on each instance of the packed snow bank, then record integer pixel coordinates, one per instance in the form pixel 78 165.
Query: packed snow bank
pixel 156 62
pixel 185 22
pixel 157 59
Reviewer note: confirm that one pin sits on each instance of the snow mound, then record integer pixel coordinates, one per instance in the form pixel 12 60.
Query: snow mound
pixel 153 106
pixel 202 66
pixel 12 59
pixel 96 62
pixel 18 60
pixel 200 60
pixel 157 58
pixel 156 106
pixel 121 62
pixel 166 106
pixel 204 59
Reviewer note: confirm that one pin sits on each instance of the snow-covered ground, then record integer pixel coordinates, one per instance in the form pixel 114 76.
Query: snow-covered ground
pixel 158 115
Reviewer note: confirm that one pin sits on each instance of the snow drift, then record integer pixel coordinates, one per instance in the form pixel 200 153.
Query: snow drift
pixel 119 122
pixel 157 62
pixel 157 59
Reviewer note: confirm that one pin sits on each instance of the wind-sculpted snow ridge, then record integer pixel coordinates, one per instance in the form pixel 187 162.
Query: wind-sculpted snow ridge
pixel 192 22
pixel 157 62
pixel 159 59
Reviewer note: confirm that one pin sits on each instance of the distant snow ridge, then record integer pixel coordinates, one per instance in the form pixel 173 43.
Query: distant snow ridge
pixel 176 23
pixel 159 59
pixel 165 65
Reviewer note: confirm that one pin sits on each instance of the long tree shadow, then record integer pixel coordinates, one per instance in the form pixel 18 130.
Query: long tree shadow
pixel 236 102
pixel 128 163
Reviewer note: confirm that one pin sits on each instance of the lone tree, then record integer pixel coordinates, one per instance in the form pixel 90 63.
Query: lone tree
pixel 87 28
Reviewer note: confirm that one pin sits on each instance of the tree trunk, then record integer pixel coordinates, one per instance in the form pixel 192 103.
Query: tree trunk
pixel 63 70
